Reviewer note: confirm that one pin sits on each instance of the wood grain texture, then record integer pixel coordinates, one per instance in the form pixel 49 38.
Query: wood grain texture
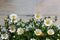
pixel 30 7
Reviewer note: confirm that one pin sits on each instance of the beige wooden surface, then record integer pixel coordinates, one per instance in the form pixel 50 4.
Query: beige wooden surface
pixel 24 7
pixel 29 7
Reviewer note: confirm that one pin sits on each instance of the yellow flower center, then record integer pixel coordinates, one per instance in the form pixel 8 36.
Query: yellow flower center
pixel 12 28
pixel 4 35
pixel 50 32
pixel 47 21
pixel 37 15
pixel 37 32
pixel 13 18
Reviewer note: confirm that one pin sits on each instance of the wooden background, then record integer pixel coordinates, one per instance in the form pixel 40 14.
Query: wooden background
pixel 24 7
pixel 29 7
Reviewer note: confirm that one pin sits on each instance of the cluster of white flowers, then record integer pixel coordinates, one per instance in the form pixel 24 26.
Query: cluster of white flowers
pixel 47 22
pixel 37 32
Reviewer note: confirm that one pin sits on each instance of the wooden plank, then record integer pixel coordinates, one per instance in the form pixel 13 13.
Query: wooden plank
pixel 30 7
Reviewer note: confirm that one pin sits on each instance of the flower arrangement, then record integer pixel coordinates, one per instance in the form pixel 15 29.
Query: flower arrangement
pixel 37 28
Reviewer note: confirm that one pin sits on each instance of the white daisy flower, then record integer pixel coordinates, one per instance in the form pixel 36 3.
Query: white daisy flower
pixel 12 29
pixel 4 36
pixel 32 39
pixel 20 31
pixel 13 17
pixel 50 32
pixel 38 16
pixel 38 32
pixel 48 22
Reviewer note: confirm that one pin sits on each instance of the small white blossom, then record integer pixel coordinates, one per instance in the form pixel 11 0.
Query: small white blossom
pixel 20 31
pixel 12 29
pixel 50 32
pixel 38 16
pixel 4 36
pixel 38 32
pixel 48 22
